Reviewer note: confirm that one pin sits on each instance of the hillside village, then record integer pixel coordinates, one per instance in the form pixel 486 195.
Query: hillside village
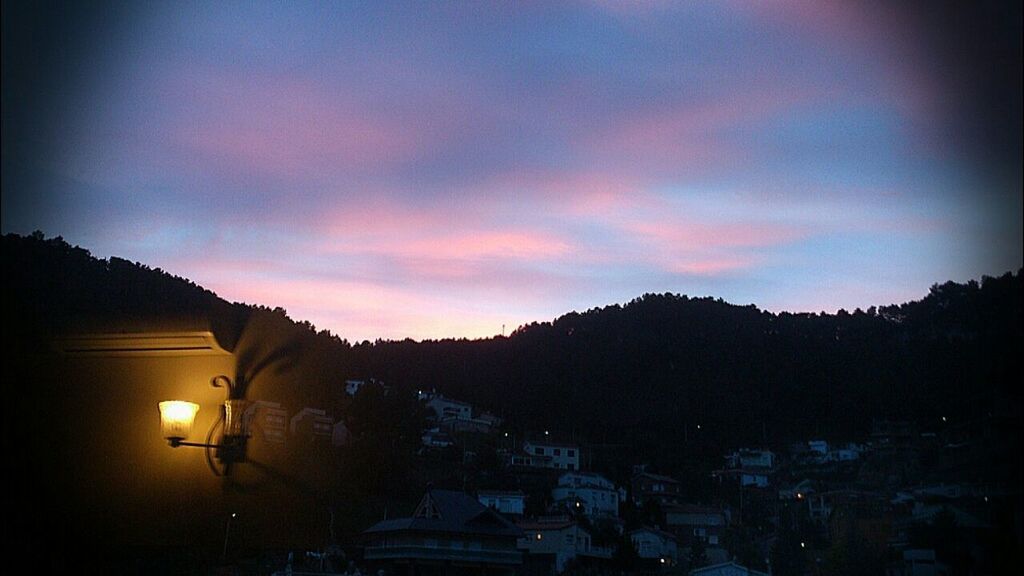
pixel 900 501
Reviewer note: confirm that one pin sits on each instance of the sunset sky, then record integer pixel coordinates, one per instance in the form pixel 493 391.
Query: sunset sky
pixel 425 170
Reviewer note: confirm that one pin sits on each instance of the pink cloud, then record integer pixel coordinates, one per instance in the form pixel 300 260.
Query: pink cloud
pixel 690 137
pixel 572 192
pixel 439 246
pixel 710 267
pixel 286 126
pixel 697 235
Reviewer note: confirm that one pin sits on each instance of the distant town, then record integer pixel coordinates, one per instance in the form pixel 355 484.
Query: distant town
pixel 883 503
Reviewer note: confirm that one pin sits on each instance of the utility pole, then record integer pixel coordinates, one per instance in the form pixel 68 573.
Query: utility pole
pixel 227 532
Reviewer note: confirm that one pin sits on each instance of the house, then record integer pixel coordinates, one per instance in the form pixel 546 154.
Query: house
pixel 751 459
pixel 545 454
pixel 353 386
pixel 922 562
pixel 310 423
pixel 726 569
pixel 847 453
pixel 465 425
pixel 559 538
pixel 664 490
pixel 818 447
pixel 820 506
pixel 446 408
pixel 449 530
pixel 267 421
pixel 587 493
pixel 797 491
pixel 691 523
pixel 752 477
pixel 436 438
pixel 508 502
pixel 655 544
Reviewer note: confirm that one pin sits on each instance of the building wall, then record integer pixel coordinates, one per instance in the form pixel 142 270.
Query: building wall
pixel 113 483
pixel 561 457
pixel 564 543
pixel 596 501
pixel 506 504
pixel 652 546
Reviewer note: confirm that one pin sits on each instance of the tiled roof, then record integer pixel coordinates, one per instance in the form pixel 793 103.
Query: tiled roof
pixel 658 477
pixel 535 525
pixel 457 512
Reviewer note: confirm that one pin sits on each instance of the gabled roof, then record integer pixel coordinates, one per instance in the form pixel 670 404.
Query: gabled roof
pixel 717 567
pixel 660 533
pixel 451 512
pixel 658 477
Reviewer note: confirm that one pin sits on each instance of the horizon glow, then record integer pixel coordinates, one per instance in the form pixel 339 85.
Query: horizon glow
pixel 445 170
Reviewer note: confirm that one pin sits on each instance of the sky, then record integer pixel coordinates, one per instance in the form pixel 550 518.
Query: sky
pixel 429 170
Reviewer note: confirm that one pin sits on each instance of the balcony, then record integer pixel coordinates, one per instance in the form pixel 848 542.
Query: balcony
pixel 423 552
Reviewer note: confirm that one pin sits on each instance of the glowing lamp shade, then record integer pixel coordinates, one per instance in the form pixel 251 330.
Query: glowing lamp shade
pixel 176 419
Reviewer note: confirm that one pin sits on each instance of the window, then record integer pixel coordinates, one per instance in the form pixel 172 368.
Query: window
pixel 538 451
pixel 572 453
pixel 558 451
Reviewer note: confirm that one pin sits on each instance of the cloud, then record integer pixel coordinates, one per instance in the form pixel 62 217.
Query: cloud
pixel 285 126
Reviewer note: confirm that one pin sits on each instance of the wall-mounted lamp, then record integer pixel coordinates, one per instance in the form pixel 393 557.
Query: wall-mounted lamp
pixel 177 417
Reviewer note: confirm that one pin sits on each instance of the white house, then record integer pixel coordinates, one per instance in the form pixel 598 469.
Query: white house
pixel 847 453
pixel 554 455
pixel 655 544
pixel 267 420
pixel 747 458
pixel 754 478
pixel 446 408
pixel 353 386
pixel 819 447
pixel 511 502
pixel 312 422
pixel 588 493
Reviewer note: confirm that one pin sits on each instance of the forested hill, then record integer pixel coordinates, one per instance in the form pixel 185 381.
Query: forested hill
pixel 645 374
